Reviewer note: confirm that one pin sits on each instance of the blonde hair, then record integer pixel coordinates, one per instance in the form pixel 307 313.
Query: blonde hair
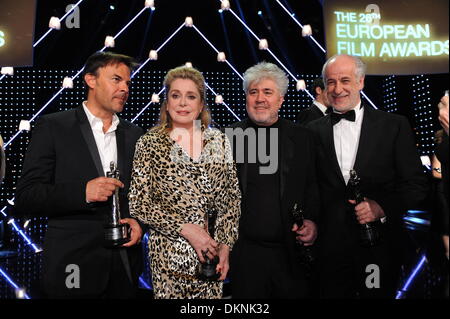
pixel 189 73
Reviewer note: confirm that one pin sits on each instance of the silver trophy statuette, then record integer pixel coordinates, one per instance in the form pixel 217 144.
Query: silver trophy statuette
pixel 116 234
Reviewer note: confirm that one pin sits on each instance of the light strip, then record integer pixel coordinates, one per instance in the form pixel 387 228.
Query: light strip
pixel 165 42
pixel 217 51
pixel 142 111
pixel 298 22
pixel 223 102
pixel 411 277
pixel 271 53
pixel 62 18
pixel 12 283
pixel 62 89
pixel 324 51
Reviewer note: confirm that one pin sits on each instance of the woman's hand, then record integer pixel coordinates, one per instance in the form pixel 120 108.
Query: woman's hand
pixel 224 265
pixel 200 240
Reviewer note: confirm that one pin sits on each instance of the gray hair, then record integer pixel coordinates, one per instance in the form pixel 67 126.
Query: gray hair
pixel 265 70
pixel 360 70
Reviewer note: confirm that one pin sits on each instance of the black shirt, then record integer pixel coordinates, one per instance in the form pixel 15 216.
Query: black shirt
pixel 261 216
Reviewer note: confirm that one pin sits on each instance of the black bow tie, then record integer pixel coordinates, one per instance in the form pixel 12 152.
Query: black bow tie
pixel 349 116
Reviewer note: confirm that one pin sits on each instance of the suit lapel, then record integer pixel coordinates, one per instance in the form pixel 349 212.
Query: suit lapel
pixel 88 136
pixel 367 134
pixel 328 138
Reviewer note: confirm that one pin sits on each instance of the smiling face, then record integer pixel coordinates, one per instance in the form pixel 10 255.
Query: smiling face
pixel 108 89
pixel 263 102
pixel 184 103
pixel 343 86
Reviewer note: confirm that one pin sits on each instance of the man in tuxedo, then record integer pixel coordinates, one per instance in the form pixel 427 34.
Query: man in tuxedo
pixel 63 178
pixel 264 260
pixel 380 147
pixel 319 108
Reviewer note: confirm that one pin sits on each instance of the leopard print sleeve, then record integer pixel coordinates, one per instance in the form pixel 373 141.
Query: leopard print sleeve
pixel 229 200
pixel 143 204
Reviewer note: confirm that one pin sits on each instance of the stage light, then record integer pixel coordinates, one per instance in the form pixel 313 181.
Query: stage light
pixel 20 293
pixel 109 42
pixel 153 55
pixel 225 5
pixel 150 4
pixel 260 13
pixel 7 70
pixel 301 85
pixel 10 201
pixel 155 98
pixel 24 125
pixel 27 222
pixel 54 23
pixel 263 44
pixel 306 31
pixel 67 83
pixel 189 64
pixel 112 7
pixel 219 99
pixel 221 57
pixel 189 22
pixel 425 160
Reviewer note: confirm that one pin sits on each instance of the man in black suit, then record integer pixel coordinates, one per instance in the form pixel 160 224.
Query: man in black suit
pixel 264 260
pixel 380 147
pixel 63 178
pixel 319 108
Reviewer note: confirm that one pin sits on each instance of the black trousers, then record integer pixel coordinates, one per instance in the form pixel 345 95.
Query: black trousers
pixel 261 272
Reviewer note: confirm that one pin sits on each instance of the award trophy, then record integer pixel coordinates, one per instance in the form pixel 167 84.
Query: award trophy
pixel 207 270
pixel 306 255
pixel 116 234
pixel 369 234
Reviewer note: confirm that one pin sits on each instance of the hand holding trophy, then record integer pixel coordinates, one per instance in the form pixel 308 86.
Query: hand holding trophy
pixel 116 234
pixel 207 270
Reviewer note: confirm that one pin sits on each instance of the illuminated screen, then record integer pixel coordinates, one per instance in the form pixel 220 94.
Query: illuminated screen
pixel 16 32
pixel 392 37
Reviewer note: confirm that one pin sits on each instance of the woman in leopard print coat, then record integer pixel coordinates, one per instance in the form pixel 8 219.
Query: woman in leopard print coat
pixel 182 168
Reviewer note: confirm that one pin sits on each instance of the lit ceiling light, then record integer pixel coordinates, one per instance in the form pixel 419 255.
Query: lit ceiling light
pixel 301 85
pixel 219 99
pixel 263 44
pixel 54 23
pixel 150 4
pixel 189 21
pixel 188 64
pixel 7 70
pixel 225 5
pixel 68 83
pixel 109 42
pixel 306 31
pixel 155 98
pixel 153 55
pixel 221 57
pixel 24 125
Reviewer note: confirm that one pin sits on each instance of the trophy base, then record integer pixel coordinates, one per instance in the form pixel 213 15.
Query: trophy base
pixel 369 235
pixel 207 270
pixel 116 236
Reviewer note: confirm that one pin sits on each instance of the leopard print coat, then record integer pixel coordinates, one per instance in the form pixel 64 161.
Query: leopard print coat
pixel 169 189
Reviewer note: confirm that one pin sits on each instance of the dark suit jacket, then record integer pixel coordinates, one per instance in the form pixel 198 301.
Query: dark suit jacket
pixel 61 158
pixel 308 115
pixel 390 170
pixel 297 179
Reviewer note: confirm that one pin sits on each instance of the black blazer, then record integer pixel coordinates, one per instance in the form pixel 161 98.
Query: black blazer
pixel 297 177
pixel 61 158
pixel 390 170
pixel 308 115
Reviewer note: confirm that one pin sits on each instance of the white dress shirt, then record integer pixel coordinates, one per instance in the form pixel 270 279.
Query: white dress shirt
pixel 106 142
pixel 346 139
